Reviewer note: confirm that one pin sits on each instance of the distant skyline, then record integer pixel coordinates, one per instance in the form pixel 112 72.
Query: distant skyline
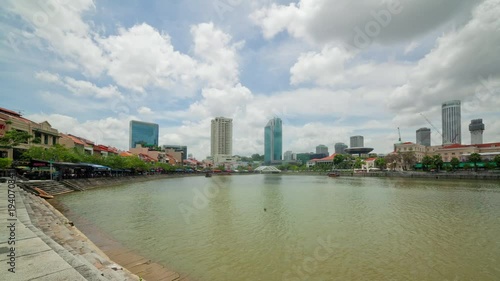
pixel 328 69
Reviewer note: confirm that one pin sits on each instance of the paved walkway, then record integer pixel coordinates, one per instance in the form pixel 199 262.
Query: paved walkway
pixel 35 255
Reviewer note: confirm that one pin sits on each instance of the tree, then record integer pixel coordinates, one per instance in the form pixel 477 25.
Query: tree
pixel 257 157
pixel 497 160
pixel 5 163
pixel 408 159
pixel 475 158
pixel 14 138
pixel 358 163
pixel 454 162
pixel 380 163
pixel 426 162
pixel 392 160
pixel 437 160
pixel 339 158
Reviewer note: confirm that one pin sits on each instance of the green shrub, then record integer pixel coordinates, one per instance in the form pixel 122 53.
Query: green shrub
pixel 5 163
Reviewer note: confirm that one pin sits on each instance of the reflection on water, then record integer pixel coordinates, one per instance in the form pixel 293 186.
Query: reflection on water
pixel 313 228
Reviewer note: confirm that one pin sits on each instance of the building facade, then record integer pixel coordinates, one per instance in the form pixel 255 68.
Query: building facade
pixel 322 149
pixel 357 141
pixel 476 128
pixel 448 152
pixel 179 151
pixel 42 134
pixel 143 133
pixel 451 122
pixel 221 136
pixel 289 156
pixel 340 148
pixel 273 141
pixel 424 136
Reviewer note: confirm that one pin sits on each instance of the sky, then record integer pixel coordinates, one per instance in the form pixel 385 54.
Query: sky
pixel 330 69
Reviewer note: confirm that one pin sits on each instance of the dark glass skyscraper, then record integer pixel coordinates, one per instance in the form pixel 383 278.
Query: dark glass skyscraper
pixel 273 141
pixel 424 136
pixel 143 133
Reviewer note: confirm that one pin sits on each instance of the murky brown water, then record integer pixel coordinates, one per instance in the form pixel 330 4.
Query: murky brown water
pixel 313 228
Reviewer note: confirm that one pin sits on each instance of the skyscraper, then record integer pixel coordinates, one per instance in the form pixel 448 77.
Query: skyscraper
pixel 221 137
pixel 143 133
pixel 424 136
pixel 340 148
pixel 357 141
pixel 476 128
pixel 451 118
pixel 273 141
pixel 322 149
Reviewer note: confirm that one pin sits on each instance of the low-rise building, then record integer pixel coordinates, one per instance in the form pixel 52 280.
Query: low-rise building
pixel 42 134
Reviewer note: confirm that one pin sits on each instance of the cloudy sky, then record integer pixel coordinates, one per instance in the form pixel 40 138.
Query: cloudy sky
pixel 328 68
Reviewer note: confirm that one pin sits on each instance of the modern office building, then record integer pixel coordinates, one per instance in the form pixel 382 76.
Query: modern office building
pixel 289 156
pixel 323 149
pixel 424 136
pixel 143 133
pixel 340 148
pixel 357 141
pixel 451 121
pixel 476 128
pixel 273 141
pixel 221 137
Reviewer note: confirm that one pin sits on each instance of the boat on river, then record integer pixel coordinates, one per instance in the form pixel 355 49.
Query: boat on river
pixel 333 174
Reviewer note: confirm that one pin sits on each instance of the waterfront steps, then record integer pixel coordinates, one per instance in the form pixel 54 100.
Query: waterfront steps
pixel 48 247
pixel 50 186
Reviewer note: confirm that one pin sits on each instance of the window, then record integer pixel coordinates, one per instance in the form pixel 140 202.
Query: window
pixel 46 139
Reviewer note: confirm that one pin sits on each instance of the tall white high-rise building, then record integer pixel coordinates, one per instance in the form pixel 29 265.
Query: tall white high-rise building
pixel 451 120
pixel 476 128
pixel 221 137
pixel 357 141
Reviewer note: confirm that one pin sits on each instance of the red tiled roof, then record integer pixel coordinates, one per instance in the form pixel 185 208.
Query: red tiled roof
pixel 126 154
pixel 371 159
pixel 456 145
pixel 325 158
pixel 9 112
pixel 484 145
pixel 76 139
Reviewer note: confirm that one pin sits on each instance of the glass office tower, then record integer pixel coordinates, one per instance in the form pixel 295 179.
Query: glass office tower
pixel 143 133
pixel 273 141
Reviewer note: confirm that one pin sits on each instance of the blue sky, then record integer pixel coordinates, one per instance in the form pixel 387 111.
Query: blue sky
pixel 329 69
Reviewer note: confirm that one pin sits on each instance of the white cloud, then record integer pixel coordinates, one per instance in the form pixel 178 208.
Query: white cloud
pixel 321 21
pixel 80 87
pixel 144 110
pixel 48 77
pixel 411 47
pixel 140 57
pixel 219 65
pixel 457 67
pixel 333 66
pixel 60 24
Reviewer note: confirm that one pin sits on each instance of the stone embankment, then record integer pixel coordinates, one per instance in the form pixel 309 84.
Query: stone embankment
pixel 49 247
pixel 429 175
pixel 53 187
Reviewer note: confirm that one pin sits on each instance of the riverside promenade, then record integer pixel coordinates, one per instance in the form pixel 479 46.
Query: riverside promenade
pixel 39 243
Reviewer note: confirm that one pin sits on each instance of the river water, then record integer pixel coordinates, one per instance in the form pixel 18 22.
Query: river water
pixel 287 227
